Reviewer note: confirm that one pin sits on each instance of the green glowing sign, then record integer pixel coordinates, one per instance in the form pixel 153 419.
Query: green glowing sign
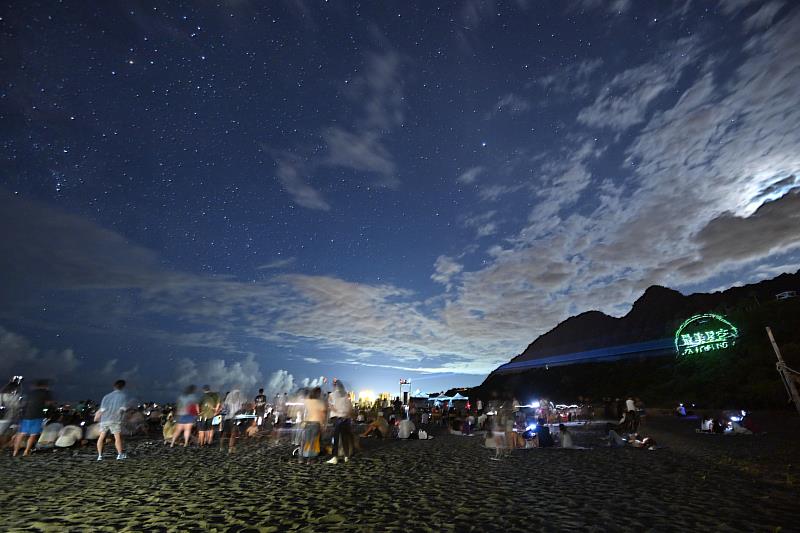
pixel 704 333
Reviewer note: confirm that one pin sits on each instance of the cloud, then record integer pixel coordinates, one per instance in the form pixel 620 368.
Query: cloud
pixel 360 151
pixel 470 175
pixel 624 101
pixel 277 264
pixel 511 103
pixel 718 159
pixel 378 96
pixel 301 192
pixel 773 228
pixel 279 382
pixel 220 374
pixel 610 6
pixel 482 223
pixel 313 382
pixel 733 7
pixel 444 270
pixel 763 17
pixel 312 360
pixel 19 357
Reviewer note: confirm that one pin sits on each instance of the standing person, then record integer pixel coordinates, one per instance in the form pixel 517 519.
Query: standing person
pixel 280 407
pixel 313 417
pixel 209 408
pixel 187 410
pixel 632 415
pixel 232 406
pixel 33 417
pixel 112 407
pixel 341 413
pixel 260 404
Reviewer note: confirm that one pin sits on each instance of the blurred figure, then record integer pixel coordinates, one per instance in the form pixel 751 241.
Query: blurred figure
pixel 232 406
pixel 280 407
pixel 187 410
pixel 112 408
pixel 405 429
pixel 9 407
pixel 341 413
pixel 169 428
pixel 33 416
pixel 210 406
pixel 260 404
pixel 314 418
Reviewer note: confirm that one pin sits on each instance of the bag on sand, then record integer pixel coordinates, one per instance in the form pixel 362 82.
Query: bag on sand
pixel 422 434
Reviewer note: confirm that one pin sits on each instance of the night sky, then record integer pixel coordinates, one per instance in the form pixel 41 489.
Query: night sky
pixel 250 193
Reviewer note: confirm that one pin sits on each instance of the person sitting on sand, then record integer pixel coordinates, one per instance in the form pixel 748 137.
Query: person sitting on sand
pixel 379 427
pixel 614 438
pixel 169 428
pixel 646 443
pixel 406 429
pixel 567 438
pixel 545 438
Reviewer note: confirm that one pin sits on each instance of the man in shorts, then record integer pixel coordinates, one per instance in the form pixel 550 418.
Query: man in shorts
pixel 209 408
pixel 33 417
pixel 112 408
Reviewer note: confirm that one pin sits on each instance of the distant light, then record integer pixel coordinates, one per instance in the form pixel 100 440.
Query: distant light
pixel 366 396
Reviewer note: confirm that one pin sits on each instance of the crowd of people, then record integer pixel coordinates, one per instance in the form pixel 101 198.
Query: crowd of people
pixel 320 424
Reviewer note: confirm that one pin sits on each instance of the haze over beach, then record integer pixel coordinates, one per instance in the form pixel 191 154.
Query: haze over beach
pixel 259 195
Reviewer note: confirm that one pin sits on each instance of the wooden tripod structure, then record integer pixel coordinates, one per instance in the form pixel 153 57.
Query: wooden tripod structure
pixel 790 377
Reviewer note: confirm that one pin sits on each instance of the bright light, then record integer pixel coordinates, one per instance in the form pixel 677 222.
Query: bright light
pixel 532 427
pixel 366 396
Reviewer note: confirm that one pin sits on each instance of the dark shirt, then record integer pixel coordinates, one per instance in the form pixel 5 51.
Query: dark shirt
pixel 545 439
pixel 37 400
pixel 261 403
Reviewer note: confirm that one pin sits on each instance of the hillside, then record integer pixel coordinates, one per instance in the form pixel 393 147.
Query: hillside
pixel 745 373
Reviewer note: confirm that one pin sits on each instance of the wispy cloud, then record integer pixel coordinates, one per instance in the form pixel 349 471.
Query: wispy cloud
pixel 624 101
pixel 277 264
pixel 510 103
pixel 444 270
pixel 470 175
pixel 361 147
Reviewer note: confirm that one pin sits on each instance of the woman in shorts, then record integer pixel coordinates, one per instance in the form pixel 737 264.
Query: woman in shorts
pixel 187 409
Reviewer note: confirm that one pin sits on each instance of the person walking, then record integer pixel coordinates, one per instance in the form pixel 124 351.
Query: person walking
pixel 33 416
pixel 112 409
pixel 187 409
pixel 210 406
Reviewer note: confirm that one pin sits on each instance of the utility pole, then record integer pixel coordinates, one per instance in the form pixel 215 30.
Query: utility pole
pixel 785 372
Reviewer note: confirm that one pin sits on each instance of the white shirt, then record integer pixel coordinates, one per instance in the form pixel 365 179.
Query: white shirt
pixel 630 405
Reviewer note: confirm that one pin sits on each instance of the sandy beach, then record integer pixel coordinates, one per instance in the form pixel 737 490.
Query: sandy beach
pixel 696 482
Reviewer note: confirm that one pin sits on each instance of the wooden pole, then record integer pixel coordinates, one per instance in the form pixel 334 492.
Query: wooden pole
pixel 787 379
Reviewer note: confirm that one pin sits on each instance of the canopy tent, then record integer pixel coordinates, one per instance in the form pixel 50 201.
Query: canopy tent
pixel 457 396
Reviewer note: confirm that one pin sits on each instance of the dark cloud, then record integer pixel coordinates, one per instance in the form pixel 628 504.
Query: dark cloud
pixel 772 228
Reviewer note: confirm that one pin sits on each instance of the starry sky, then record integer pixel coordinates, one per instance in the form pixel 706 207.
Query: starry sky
pixel 249 193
